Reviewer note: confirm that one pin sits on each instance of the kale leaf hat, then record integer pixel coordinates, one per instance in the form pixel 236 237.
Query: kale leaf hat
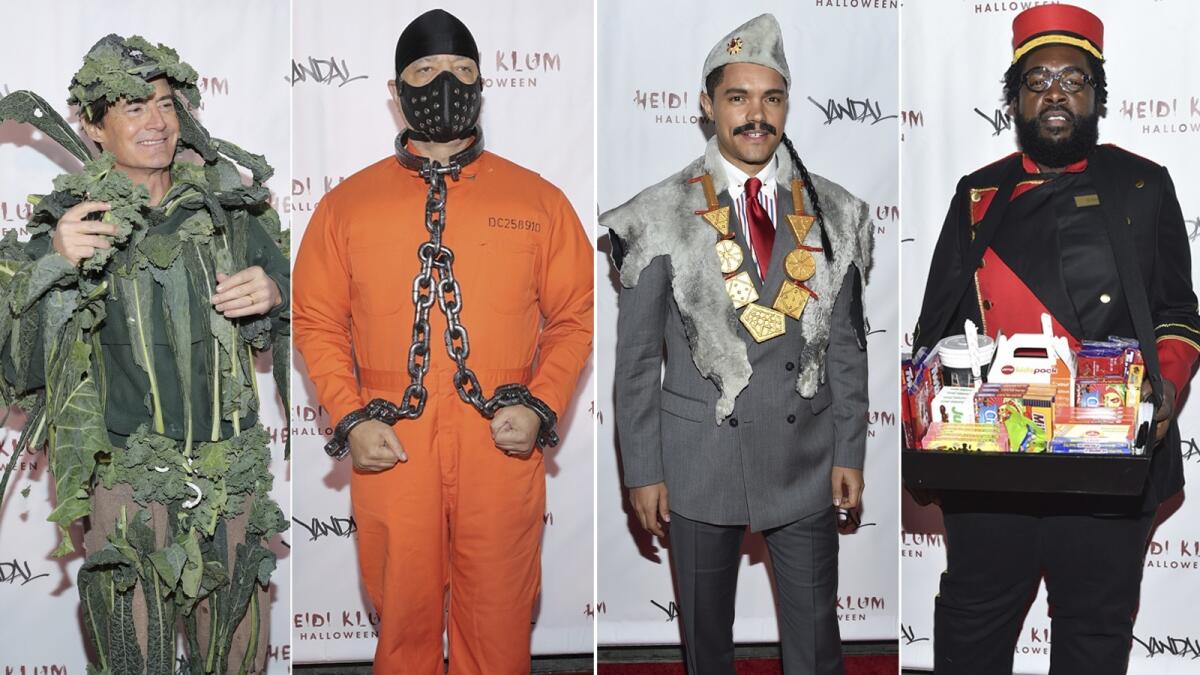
pixel 118 67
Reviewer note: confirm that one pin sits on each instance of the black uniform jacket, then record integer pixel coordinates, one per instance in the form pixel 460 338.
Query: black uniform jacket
pixel 1131 248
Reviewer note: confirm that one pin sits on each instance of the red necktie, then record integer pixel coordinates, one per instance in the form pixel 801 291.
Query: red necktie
pixel 762 232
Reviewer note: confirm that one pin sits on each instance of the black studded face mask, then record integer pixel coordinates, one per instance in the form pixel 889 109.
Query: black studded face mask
pixel 443 110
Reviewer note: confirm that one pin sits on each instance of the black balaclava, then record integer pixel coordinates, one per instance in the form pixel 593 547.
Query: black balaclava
pixel 444 109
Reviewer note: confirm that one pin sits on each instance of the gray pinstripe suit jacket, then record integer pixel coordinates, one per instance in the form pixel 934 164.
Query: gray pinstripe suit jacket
pixel 769 463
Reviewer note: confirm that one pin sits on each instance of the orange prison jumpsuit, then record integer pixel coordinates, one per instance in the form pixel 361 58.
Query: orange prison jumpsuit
pixel 460 514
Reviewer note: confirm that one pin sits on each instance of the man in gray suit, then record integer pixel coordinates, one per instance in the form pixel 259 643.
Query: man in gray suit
pixel 743 273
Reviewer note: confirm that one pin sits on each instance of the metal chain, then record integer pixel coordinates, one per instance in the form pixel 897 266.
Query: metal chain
pixel 436 282
pixel 449 293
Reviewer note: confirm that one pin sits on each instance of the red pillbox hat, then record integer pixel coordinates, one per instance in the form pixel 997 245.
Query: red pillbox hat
pixel 1057 24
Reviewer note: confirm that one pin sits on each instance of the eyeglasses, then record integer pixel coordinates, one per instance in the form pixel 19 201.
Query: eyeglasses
pixel 1071 79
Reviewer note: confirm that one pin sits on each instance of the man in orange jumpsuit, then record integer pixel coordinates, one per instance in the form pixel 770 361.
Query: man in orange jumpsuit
pixel 462 239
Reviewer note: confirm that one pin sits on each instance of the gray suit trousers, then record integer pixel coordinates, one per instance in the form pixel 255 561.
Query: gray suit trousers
pixel 804 555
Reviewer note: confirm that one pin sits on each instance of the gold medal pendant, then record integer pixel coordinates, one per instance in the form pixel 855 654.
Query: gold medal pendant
pixel 719 219
pixel 801 224
pixel 799 265
pixel 791 300
pixel 741 290
pixel 763 323
pixel 730 255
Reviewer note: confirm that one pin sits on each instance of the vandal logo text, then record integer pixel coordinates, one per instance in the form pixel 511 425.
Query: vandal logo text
pixel 18 572
pixel 323 71
pixel 332 526
pixel 855 110
pixel 998 121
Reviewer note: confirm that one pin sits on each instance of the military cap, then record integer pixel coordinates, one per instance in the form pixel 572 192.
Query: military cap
pixel 758 41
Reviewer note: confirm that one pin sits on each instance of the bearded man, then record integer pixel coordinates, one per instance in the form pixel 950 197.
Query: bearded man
pixel 1093 236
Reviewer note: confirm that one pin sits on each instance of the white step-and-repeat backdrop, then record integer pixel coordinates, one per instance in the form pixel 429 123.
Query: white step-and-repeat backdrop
pixel 241 53
pixel 843 120
pixel 952 121
pixel 536 61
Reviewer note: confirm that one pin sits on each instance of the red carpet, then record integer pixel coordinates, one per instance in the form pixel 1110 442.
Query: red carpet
pixel 855 665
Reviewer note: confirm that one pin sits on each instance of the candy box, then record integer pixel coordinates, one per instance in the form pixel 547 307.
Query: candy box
pixel 1106 392
pixel 1039 406
pixel 1076 415
pixel 1094 433
pixel 965 437
pixel 920 400
pixel 1090 448
pixel 1133 384
pixel 1101 366
pixel 1093 439
pixel 990 398
pixel 954 405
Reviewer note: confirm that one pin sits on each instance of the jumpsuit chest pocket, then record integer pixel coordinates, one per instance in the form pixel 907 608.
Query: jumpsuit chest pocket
pixel 497 277
pixel 381 278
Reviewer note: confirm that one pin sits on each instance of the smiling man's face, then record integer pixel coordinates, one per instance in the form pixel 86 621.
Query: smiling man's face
pixel 140 134
pixel 749 106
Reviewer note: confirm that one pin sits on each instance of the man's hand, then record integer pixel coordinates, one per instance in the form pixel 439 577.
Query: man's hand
pixel 1166 412
pixel 77 239
pixel 847 487
pixel 374 447
pixel 650 504
pixel 249 292
pixel 514 430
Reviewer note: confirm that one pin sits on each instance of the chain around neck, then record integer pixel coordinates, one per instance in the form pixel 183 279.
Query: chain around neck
pixel 427 167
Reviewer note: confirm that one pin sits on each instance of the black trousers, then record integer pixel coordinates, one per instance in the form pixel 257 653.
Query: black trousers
pixel 998 547
pixel 804 558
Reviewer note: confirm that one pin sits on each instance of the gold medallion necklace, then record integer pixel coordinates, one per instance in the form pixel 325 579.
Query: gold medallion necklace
pixel 763 323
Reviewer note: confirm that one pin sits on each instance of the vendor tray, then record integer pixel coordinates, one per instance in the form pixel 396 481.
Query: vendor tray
pixel 1065 473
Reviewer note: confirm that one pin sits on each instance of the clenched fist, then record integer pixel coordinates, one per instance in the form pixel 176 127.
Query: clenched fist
pixel 514 430
pixel 374 447
pixel 1165 413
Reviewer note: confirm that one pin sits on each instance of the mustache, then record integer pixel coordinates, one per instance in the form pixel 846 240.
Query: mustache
pixel 1056 109
pixel 752 126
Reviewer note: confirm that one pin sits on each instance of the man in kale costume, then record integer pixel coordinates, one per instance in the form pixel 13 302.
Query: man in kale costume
pixel 129 325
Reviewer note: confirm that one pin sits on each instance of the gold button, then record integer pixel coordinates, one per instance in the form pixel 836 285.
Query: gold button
pixel 987 304
pixel 975 195
pixel 1139 183
pixel 1105 298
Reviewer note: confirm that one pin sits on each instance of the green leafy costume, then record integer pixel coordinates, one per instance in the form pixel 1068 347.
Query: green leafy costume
pixel 141 390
